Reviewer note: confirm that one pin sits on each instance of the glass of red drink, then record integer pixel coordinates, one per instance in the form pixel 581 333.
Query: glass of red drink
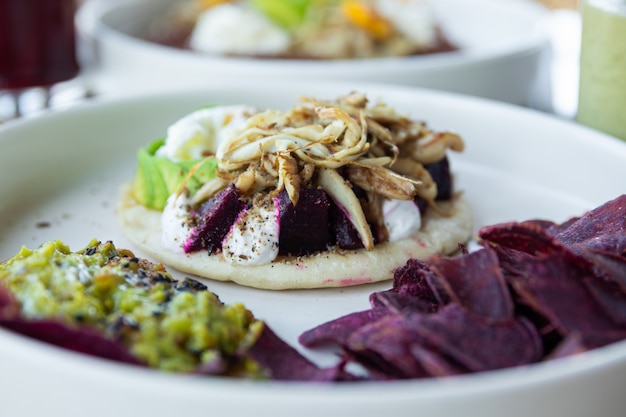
pixel 37 45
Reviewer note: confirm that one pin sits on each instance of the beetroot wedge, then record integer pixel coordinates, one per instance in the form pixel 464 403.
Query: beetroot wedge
pixel 345 234
pixel 304 228
pixel 215 218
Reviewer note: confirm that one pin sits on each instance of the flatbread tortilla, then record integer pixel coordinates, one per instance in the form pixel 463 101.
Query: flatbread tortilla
pixel 439 234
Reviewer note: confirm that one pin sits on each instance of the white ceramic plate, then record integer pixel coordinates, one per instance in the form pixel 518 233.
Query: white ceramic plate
pixel 63 170
pixel 503 53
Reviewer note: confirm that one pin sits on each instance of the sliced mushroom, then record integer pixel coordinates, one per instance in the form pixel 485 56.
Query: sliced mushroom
pixel 427 188
pixel 383 181
pixel 336 187
pixel 433 147
pixel 382 152
pixel 288 172
pixel 208 189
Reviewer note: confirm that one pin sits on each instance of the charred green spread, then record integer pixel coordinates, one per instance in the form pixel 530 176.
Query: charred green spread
pixel 174 325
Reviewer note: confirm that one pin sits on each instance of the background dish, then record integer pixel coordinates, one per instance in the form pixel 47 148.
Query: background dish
pixel 503 48
pixel 61 176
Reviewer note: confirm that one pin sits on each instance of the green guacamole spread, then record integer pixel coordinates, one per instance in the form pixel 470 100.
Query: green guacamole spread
pixel 173 325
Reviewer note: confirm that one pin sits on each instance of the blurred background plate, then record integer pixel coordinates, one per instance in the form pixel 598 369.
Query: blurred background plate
pixel 504 54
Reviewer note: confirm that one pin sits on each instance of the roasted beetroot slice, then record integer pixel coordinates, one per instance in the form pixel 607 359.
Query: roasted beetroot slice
pixel 476 282
pixel 304 229
pixel 216 217
pixel 345 234
pixel 440 173
pixel 603 228
pixel 284 363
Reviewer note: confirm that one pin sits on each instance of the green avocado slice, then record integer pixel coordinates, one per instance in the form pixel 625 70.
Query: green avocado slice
pixel 149 187
pixel 288 13
pixel 158 177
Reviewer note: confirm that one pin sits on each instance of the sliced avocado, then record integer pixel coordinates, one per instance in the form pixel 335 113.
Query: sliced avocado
pixel 172 174
pixel 149 187
pixel 203 173
pixel 157 177
pixel 286 13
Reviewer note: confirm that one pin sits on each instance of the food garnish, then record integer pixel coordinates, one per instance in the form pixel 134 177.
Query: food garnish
pixel 251 188
pixel 536 290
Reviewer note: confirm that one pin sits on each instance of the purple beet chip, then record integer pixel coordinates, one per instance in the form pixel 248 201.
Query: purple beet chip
pixel 559 290
pixel 284 363
pixel 603 229
pixel 476 344
pixel 475 281
pixel 417 279
pixel 536 290
pixel 339 330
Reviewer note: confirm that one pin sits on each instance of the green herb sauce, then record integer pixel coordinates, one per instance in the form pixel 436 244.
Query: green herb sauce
pixel 167 324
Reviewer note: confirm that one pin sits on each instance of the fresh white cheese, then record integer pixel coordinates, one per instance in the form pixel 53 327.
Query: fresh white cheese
pixel 199 134
pixel 253 239
pixel 174 225
pixel 237 29
pixel 415 19
pixel 402 218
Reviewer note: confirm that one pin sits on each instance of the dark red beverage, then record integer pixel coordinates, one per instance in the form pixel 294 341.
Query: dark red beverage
pixel 37 43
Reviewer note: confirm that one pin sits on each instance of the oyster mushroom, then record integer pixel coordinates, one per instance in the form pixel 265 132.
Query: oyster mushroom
pixel 376 149
pixel 337 188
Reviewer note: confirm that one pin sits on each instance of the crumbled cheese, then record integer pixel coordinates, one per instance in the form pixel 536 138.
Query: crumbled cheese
pixel 402 219
pixel 253 239
pixel 174 222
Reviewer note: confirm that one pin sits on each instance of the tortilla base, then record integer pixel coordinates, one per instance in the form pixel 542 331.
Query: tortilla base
pixel 439 235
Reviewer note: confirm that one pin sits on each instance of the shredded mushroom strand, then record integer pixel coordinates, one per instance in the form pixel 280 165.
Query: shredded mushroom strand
pixel 322 144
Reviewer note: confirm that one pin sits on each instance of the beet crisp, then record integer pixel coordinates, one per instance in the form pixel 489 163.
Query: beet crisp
pixel 534 291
